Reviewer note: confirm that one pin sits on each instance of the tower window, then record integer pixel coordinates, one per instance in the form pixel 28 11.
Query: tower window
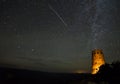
pixel 97 52
pixel 95 62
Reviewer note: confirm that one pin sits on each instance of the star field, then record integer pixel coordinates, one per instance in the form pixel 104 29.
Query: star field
pixel 58 35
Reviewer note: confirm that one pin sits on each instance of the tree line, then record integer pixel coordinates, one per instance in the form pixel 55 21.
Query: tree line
pixel 109 73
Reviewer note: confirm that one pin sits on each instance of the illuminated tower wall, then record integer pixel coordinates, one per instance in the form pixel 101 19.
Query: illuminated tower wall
pixel 97 60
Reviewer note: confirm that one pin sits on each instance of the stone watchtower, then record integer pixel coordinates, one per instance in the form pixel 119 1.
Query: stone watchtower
pixel 97 60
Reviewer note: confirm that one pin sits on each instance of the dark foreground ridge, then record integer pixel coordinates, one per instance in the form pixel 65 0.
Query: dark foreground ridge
pixel 107 74
pixel 20 76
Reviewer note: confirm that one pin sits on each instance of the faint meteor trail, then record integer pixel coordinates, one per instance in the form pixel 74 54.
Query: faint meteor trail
pixel 58 15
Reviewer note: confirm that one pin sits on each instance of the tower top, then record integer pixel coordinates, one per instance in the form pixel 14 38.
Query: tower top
pixel 96 50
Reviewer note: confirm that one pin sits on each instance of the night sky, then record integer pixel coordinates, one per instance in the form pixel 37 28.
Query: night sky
pixel 58 35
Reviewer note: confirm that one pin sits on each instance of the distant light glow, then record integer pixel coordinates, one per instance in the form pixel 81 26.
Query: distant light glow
pixel 80 71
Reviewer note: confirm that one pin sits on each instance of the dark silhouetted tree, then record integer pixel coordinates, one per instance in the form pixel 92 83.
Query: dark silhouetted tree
pixel 109 73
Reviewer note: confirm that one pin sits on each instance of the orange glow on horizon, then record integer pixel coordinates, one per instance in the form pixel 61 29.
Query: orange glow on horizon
pixel 80 71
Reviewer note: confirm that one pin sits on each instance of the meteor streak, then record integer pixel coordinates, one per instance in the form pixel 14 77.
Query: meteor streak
pixel 58 15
